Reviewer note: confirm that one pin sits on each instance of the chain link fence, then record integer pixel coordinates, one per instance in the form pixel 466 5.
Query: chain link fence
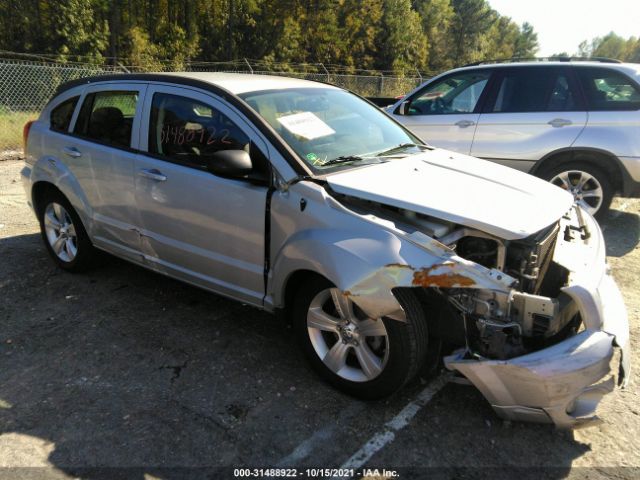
pixel 27 85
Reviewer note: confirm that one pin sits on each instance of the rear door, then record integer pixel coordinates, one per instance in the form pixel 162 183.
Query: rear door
pixel 445 112
pixel 613 103
pixel 202 228
pixel 101 155
pixel 531 111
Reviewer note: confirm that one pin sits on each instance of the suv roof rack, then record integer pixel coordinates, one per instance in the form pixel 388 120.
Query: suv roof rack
pixel 544 59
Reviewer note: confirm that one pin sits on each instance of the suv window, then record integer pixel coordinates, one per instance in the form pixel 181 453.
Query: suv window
pixel 107 117
pixel 534 90
pixel 457 93
pixel 606 89
pixel 61 115
pixel 188 131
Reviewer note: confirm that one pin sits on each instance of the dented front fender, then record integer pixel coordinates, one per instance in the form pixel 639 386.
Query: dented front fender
pixel 362 258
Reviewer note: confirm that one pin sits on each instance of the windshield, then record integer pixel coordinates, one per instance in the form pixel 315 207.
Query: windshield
pixel 328 128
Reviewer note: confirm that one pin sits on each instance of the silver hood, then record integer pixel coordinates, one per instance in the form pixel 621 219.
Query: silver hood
pixel 461 189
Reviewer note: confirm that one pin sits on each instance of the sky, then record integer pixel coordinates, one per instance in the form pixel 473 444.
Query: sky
pixel 562 24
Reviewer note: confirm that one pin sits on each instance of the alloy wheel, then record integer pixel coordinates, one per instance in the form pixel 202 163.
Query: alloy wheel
pixel 350 344
pixel 585 188
pixel 60 232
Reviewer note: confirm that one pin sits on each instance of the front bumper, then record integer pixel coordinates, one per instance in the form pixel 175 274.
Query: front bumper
pixel 563 384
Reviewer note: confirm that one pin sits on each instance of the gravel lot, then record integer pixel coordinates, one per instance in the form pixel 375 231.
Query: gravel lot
pixel 125 368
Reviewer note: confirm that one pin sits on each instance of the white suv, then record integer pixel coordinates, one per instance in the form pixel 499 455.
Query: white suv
pixel 576 124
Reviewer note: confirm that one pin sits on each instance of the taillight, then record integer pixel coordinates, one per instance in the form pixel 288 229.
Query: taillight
pixel 25 134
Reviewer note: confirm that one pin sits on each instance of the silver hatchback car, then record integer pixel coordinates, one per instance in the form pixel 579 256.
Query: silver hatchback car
pixel 302 199
pixel 575 124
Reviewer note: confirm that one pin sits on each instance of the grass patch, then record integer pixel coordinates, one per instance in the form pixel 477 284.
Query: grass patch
pixel 11 124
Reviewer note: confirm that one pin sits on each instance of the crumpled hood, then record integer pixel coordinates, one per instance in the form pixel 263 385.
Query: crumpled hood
pixel 460 189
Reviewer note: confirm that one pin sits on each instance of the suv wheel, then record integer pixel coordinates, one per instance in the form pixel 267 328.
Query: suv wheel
pixel 365 357
pixel 589 186
pixel 64 235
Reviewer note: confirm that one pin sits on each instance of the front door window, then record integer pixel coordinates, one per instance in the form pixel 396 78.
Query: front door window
pixel 452 95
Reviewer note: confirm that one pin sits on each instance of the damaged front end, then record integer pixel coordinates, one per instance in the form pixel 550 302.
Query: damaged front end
pixel 536 319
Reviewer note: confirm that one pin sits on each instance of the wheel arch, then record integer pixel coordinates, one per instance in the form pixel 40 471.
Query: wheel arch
pixel 38 193
pixel 602 159
pixel 291 285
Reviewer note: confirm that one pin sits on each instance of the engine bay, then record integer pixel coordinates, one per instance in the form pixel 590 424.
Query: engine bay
pixel 491 324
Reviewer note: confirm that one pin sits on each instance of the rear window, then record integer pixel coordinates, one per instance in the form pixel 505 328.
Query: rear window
pixel 107 117
pixel 61 115
pixel 606 89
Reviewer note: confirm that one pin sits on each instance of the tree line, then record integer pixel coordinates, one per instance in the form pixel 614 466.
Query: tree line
pixel 401 36
pixel 612 46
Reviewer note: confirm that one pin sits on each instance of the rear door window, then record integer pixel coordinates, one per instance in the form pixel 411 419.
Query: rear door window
pixel 607 89
pixel 61 115
pixel 107 117
pixel 522 90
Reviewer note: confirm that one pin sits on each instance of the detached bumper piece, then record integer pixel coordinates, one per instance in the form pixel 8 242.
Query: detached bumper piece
pixel 561 384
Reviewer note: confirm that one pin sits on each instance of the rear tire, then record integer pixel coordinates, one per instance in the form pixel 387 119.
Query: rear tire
pixel 344 351
pixel 589 185
pixel 63 234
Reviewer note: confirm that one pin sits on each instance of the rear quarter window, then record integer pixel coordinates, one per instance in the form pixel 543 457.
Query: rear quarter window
pixel 606 89
pixel 61 115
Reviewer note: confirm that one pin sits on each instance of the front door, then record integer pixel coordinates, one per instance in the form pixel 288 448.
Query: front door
pixel 444 113
pixel 202 228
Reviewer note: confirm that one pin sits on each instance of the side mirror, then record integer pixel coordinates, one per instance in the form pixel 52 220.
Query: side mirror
pixel 403 108
pixel 230 163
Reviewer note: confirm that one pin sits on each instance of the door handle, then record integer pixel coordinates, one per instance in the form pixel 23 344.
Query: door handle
pixel 465 123
pixel 72 152
pixel 559 122
pixel 152 174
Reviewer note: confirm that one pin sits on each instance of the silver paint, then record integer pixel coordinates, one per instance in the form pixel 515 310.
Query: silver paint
pixel 183 227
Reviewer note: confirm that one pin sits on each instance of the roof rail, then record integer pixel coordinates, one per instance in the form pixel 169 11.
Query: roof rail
pixel 544 59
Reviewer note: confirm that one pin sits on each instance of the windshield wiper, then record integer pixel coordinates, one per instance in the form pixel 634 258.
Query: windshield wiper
pixel 342 159
pixel 402 146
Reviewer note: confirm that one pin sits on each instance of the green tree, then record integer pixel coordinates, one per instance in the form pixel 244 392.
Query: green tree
pixel 398 35
pixel 499 42
pixel 437 17
pixel 404 45
pixel 610 46
pixel 632 51
pixel 360 25
pixel 472 19
pixel 139 51
pixel 173 44
pixel 74 30
pixel 526 44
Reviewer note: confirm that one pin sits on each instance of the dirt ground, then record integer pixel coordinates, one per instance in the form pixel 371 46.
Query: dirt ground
pixel 126 369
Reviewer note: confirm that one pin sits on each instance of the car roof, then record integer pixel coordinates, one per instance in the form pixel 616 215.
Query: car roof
pixel 234 83
pixel 237 83
pixel 629 68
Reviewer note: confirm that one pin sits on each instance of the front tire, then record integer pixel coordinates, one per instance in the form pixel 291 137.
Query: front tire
pixel 364 357
pixel 63 234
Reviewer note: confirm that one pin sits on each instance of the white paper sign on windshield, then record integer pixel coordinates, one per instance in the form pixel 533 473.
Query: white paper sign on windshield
pixel 306 125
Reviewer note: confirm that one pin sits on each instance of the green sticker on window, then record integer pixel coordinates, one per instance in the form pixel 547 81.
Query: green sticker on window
pixel 312 157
